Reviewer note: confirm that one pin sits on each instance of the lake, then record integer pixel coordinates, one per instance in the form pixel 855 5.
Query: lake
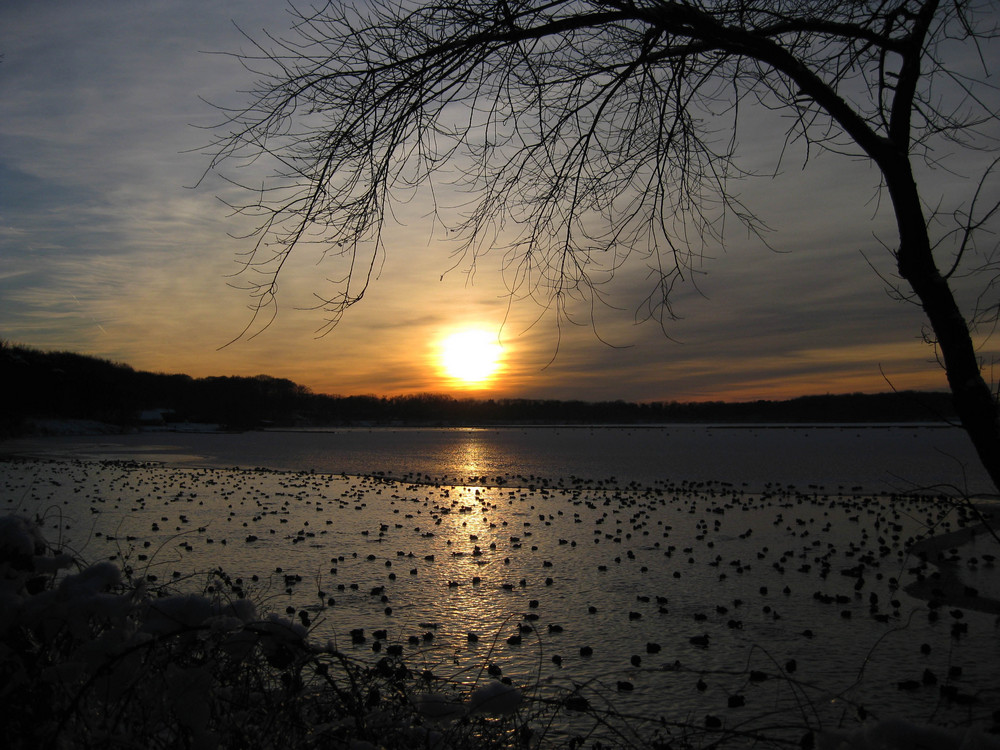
pixel 754 573
pixel 891 458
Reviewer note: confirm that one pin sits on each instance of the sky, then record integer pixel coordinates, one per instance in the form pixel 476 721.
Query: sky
pixel 112 244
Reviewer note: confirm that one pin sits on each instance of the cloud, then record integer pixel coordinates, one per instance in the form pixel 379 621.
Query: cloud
pixel 106 248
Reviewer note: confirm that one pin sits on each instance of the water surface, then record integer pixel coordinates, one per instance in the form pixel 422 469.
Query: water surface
pixel 615 539
pixel 875 458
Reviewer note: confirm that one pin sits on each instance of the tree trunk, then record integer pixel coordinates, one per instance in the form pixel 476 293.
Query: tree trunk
pixel 972 397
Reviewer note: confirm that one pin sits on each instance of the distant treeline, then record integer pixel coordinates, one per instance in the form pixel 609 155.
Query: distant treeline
pixel 64 385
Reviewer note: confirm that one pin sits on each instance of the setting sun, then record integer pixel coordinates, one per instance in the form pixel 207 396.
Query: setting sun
pixel 471 356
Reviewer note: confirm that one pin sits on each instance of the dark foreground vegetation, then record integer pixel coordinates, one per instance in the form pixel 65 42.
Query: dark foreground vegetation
pixel 65 385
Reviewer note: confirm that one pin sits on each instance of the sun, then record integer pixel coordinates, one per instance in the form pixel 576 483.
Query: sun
pixel 470 356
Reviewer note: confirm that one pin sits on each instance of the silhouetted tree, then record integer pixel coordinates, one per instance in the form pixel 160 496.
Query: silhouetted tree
pixel 583 130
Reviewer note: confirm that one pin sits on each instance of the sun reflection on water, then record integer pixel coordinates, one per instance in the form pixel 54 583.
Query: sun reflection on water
pixel 482 580
pixel 472 455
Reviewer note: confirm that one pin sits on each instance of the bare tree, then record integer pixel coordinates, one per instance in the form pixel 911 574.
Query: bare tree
pixel 588 133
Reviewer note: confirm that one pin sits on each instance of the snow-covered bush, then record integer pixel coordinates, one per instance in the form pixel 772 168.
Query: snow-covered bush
pixel 90 658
